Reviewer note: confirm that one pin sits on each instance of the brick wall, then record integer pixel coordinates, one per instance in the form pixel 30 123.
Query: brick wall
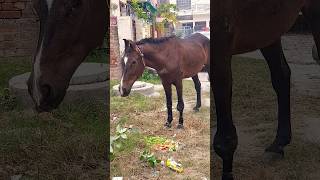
pixel 18 28
pixel 115 70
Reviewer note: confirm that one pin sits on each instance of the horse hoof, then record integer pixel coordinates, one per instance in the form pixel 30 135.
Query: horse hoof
pixel 227 176
pixel 196 109
pixel 167 125
pixel 180 126
pixel 270 157
pixel 273 153
pixel 276 149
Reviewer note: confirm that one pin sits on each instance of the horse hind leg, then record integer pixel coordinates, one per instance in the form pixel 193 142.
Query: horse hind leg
pixel 197 86
pixel 280 76
pixel 311 13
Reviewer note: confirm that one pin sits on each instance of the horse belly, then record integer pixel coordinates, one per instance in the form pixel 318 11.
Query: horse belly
pixel 262 23
pixel 192 65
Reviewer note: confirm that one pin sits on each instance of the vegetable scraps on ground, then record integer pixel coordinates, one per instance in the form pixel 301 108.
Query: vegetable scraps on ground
pixel 161 144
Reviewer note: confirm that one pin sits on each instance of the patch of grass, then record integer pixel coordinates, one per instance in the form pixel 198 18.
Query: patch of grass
pixel 138 103
pixel 70 140
pixel 98 56
pixel 13 66
pixel 149 77
pixel 146 116
pixel 7 101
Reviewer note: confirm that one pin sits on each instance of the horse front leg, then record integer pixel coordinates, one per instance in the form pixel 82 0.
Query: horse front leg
pixel 197 86
pixel 180 105
pixel 280 76
pixel 168 92
pixel 225 139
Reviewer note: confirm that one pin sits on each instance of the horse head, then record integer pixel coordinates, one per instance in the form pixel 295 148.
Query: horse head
pixel 69 30
pixel 132 64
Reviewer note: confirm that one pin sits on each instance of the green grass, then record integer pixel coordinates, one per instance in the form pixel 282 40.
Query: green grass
pixel 147 116
pixel 150 77
pixel 98 56
pixel 71 140
pixel 138 102
pixel 254 107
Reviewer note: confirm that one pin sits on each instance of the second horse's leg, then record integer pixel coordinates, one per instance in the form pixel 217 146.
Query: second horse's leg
pixel 180 105
pixel 197 86
pixel 280 76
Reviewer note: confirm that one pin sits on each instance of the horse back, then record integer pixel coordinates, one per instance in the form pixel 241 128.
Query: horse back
pixel 255 24
pixel 195 54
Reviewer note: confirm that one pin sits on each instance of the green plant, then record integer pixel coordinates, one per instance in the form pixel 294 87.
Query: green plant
pixel 139 11
pixel 152 140
pixel 166 11
pixel 150 77
pixel 7 101
pixel 149 158
pixel 116 140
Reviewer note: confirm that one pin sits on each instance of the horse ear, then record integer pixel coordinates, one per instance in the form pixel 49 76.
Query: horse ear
pixel 126 42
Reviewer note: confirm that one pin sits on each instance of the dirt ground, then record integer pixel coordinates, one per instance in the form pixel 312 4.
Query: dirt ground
pixel 147 117
pixel 254 112
pixel 255 115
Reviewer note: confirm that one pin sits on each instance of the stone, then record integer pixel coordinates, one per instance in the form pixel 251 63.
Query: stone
pixel 88 73
pixel 143 88
pixel 88 83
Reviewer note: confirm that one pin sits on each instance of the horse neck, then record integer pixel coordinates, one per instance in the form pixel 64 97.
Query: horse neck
pixel 151 56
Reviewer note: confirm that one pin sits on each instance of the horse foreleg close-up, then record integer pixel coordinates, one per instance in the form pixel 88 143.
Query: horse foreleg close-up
pixel 180 105
pixel 168 92
pixel 280 77
pixel 225 139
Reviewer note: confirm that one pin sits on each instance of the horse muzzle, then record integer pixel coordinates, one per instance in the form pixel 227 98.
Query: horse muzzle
pixel 124 92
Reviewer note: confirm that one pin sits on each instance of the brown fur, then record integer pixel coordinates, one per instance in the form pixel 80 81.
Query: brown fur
pixel 68 35
pixel 173 58
pixel 246 25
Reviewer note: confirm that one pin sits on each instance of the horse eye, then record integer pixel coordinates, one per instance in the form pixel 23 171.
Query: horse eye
pixel 134 62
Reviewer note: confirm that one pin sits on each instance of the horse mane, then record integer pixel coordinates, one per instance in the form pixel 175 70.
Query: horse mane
pixel 155 40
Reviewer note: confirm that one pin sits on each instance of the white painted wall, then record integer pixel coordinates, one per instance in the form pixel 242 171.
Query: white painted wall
pixel 124 30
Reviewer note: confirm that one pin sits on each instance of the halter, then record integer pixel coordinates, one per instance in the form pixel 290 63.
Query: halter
pixel 142 55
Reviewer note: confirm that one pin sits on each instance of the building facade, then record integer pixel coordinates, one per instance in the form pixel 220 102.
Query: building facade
pixel 193 15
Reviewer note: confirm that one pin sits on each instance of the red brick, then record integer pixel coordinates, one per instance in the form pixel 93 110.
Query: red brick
pixel 11 0
pixel 8 6
pixel 10 14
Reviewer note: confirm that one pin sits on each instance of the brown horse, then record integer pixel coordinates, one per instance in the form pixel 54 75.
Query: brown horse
pixel 69 30
pixel 242 26
pixel 173 59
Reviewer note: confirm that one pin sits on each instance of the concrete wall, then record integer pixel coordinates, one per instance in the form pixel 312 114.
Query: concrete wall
pixel 124 30
pixel 18 28
pixel 142 30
